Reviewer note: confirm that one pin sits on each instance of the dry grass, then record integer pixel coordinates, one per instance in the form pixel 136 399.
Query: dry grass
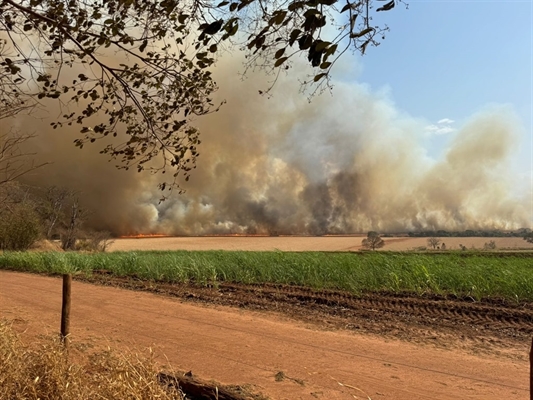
pixel 44 371
pixel 303 243
pixel 46 245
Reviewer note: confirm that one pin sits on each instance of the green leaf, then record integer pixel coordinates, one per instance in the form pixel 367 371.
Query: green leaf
pixel 387 7
pixel 182 18
pixel 311 12
pixel 233 30
pixel 325 65
pixel 322 45
pixel 278 18
pixel 243 4
pixel 233 6
pixel 305 42
pixel 362 33
pixel 142 47
pixel 213 27
pixel 296 5
pixel 279 53
pixel 363 46
pixel 330 50
pixel 353 18
pixel 280 61
pixel 294 35
pixel 224 3
pixel 252 43
pixel 319 76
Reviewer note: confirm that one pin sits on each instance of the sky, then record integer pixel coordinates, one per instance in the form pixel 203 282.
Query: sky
pixel 446 60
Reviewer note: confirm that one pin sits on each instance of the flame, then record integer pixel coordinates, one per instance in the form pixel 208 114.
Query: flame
pixel 236 235
pixel 145 236
pixel 164 235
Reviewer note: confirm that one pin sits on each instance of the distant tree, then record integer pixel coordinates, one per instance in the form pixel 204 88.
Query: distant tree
pixel 51 208
pixel 491 245
pixel 72 225
pixel 94 241
pixel 528 237
pixel 433 242
pixel 373 241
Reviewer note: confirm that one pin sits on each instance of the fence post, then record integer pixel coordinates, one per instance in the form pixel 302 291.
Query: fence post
pixel 531 371
pixel 65 309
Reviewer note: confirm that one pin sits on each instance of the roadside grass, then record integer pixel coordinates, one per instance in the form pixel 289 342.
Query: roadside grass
pixel 44 370
pixel 478 275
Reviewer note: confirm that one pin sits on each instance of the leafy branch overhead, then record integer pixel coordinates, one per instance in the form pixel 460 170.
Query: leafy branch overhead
pixel 140 70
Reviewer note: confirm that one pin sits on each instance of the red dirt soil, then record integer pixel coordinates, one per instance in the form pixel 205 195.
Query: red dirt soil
pixel 241 346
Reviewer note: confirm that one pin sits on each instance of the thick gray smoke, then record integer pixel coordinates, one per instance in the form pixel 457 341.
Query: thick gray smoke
pixel 344 163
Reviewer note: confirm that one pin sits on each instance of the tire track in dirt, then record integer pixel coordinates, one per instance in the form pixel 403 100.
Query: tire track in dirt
pixel 458 311
pixel 489 326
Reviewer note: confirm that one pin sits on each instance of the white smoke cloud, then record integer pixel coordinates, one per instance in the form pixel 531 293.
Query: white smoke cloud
pixel 345 163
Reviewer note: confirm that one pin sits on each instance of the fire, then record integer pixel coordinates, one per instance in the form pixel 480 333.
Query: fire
pixel 236 235
pixel 164 235
pixel 145 236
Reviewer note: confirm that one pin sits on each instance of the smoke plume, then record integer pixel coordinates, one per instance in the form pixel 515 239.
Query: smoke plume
pixel 344 163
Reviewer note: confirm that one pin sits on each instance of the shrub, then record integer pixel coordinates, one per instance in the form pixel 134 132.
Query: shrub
pixel 490 245
pixel 94 242
pixel 434 242
pixel 373 241
pixel 20 226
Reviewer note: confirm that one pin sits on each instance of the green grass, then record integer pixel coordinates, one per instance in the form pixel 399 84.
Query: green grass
pixel 478 275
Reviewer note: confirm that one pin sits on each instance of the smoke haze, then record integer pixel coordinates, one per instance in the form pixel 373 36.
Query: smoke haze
pixel 344 163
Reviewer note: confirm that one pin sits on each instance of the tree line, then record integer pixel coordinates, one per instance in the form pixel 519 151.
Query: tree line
pixel 522 232
pixel 28 214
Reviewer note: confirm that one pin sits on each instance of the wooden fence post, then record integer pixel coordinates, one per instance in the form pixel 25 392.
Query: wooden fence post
pixel 65 309
pixel 531 371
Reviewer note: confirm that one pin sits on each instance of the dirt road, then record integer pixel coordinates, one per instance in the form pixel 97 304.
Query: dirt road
pixel 235 346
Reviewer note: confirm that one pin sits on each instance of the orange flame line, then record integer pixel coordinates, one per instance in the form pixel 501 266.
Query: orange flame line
pixel 145 235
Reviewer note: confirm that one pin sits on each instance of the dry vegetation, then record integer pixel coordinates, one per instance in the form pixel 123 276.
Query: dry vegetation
pixel 44 371
pixel 307 243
